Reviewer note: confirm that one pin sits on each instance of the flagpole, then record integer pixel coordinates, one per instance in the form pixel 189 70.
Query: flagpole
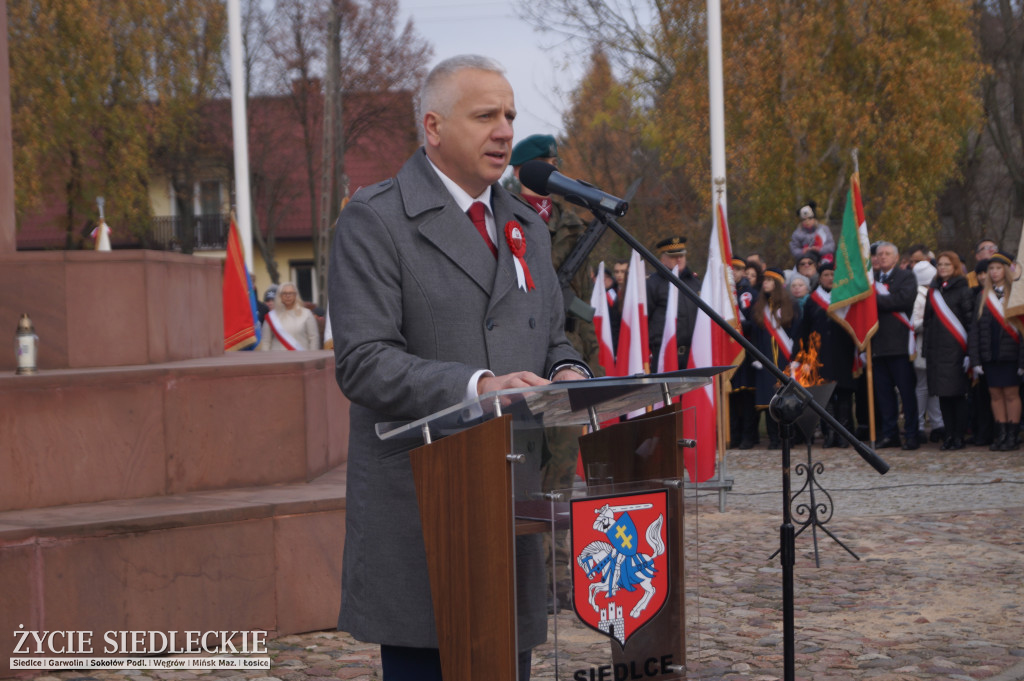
pixel 240 132
pixel 722 416
pixel 716 99
pixel 871 394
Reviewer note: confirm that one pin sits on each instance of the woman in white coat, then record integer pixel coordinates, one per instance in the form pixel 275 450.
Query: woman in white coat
pixel 289 326
pixel 927 404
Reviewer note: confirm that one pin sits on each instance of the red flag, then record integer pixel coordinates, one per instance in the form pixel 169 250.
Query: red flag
pixel 712 346
pixel 722 293
pixel 602 324
pixel 700 461
pixel 668 354
pixel 633 350
pixel 240 328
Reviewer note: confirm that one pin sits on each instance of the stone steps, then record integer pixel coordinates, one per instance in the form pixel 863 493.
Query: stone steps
pixel 206 494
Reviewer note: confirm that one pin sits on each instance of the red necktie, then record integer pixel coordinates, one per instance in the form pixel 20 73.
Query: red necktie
pixel 476 213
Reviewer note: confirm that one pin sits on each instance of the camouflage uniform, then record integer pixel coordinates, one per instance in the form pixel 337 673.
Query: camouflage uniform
pixel 566 228
pixel 561 446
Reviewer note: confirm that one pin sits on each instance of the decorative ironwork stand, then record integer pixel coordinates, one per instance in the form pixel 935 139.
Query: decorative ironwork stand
pixel 806 502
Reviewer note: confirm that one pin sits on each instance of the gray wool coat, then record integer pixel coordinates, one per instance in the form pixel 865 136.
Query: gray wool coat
pixel 418 304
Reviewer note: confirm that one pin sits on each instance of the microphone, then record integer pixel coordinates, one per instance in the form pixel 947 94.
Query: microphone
pixel 542 178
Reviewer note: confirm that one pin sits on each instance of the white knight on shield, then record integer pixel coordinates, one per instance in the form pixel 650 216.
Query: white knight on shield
pixel 619 564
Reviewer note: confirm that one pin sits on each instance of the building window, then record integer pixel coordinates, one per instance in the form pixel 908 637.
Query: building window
pixel 209 197
pixel 303 273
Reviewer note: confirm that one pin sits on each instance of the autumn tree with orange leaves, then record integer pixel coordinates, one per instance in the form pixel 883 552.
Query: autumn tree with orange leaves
pixel 805 84
pixel 605 144
pixel 84 78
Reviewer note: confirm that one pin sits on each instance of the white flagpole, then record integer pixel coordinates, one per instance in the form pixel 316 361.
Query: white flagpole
pixel 240 132
pixel 716 100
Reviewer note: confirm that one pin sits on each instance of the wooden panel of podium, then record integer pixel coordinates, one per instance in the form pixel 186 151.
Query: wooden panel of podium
pixel 475 479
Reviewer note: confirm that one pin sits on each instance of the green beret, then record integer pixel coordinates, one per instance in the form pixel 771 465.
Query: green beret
pixel 534 146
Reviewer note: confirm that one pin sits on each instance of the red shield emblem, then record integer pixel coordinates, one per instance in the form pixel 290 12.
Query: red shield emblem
pixel 620 566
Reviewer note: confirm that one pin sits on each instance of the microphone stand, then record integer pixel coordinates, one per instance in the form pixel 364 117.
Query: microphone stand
pixel 786 406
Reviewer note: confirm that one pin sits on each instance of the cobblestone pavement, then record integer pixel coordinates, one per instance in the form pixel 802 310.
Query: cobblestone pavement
pixel 938 592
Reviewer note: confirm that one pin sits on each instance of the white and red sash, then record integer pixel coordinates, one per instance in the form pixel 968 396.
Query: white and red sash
pixel 995 308
pixel 782 339
pixel 883 290
pixel 822 297
pixel 948 319
pixel 285 338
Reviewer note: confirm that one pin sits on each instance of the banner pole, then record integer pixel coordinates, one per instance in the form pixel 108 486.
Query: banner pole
pixel 871 394
pixel 724 431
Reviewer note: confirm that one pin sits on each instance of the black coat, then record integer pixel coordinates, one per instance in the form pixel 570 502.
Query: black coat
pixel 657 304
pixel 986 333
pixel 945 357
pixel 745 375
pixel 766 384
pixel 836 349
pixel 893 335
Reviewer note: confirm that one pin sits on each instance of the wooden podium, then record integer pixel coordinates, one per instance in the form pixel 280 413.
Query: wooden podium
pixel 485 503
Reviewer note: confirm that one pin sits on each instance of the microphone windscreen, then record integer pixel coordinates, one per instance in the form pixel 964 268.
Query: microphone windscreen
pixel 534 175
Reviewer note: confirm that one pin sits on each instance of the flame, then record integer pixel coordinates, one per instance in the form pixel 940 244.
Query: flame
pixel 805 365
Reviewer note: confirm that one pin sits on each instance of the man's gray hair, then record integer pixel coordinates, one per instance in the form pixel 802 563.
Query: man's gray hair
pixel 435 95
pixel 891 245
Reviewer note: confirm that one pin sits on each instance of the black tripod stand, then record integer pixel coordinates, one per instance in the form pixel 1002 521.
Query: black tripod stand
pixel 817 511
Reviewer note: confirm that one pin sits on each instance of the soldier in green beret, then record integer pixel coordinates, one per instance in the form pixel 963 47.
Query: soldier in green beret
pixel 561 444
pixel 566 228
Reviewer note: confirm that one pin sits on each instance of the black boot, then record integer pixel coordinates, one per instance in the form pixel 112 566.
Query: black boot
pixel 1000 434
pixel 1011 442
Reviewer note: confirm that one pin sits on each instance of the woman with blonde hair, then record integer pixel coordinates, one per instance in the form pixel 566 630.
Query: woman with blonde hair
pixel 997 353
pixel 289 326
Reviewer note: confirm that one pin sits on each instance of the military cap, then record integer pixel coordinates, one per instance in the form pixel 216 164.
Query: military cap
pixel 534 146
pixel 674 245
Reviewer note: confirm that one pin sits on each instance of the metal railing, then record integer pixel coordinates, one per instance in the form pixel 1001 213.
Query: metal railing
pixel 211 232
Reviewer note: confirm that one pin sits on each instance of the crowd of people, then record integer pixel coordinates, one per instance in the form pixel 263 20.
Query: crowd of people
pixel 945 364
pixel 446 286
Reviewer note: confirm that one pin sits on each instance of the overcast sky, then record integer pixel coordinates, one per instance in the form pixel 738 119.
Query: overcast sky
pixel 491 28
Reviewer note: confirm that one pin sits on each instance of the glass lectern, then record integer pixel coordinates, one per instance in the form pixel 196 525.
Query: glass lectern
pixel 553 522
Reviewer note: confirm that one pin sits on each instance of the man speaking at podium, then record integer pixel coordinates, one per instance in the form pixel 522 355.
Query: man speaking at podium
pixel 441 289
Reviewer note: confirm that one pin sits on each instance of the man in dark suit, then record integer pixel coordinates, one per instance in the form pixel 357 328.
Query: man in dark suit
pixel 891 348
pixel 429 309
pixel 672 253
